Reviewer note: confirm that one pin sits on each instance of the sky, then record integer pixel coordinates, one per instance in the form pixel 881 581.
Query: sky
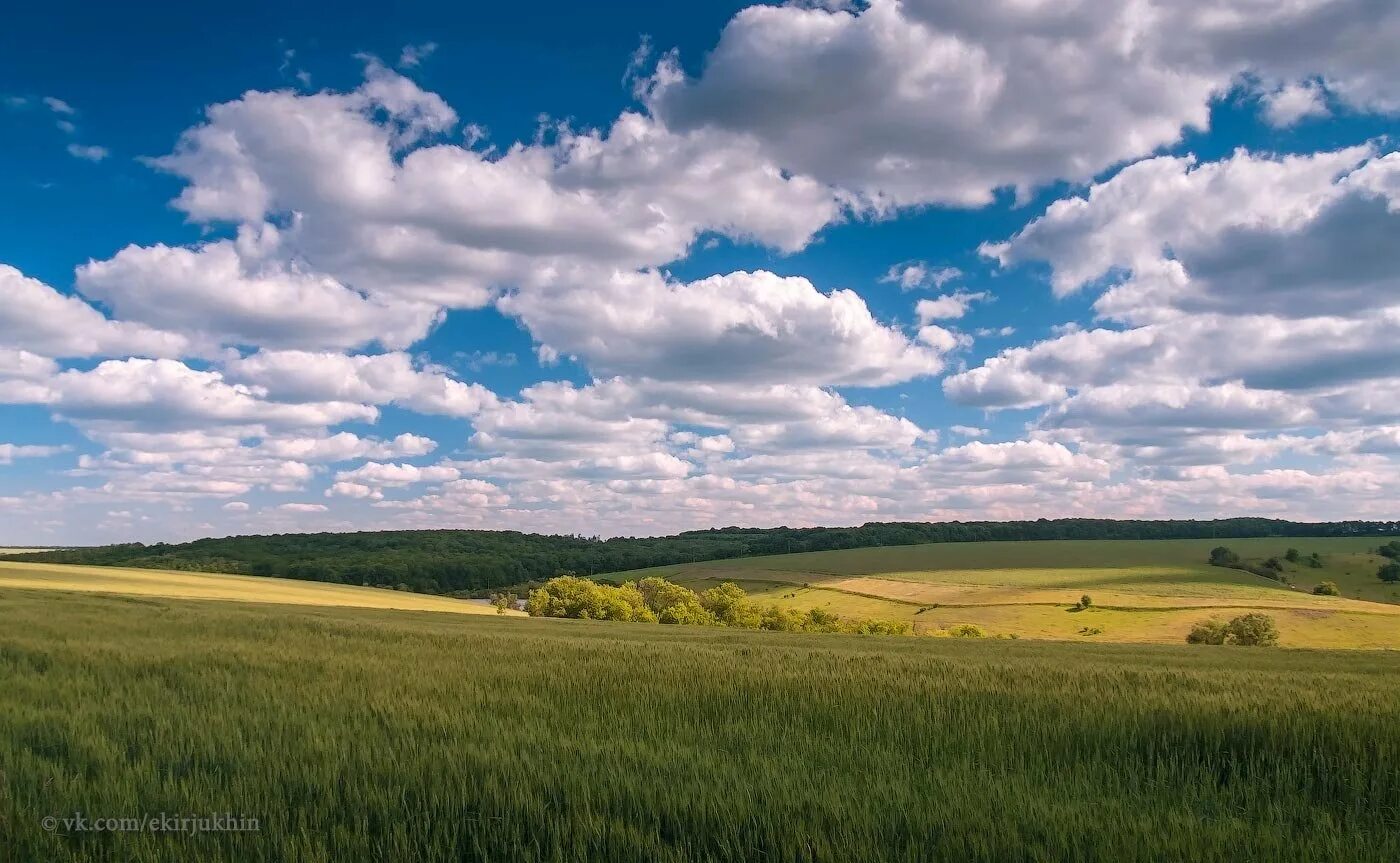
pixel 662 267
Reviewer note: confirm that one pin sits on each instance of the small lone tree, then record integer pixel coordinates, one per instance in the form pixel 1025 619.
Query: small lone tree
pixel 1291 555
pixel 1274 563
pixel 1390 573
pixel 1315 560
pixel 1085 601
pixel 1327 588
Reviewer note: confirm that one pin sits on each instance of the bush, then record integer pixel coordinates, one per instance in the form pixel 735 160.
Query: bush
pixel 1211 631
pixel 1390 549
pixel 1274 563
pixel 1222 556
pixel 1315 561
pixel 1292 555
pixel 965 630
pixel 1390 573
pixel 1253 630
pixel 1085 601
pixel 1327 588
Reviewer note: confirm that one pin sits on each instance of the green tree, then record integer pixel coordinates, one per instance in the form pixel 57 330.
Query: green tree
pixel 1085 601
pixel 1222 556
pixel 1253 630
pixel 1292 555
pixel 1389 573
pixel 504 601
pixel 1327 588
pixel 730 606
pixel 1213 631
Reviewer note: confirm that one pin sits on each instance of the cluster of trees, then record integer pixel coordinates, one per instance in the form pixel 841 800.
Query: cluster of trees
pixel 467 561
pixel 656 600
pixel 1248 630
pixel 1271 568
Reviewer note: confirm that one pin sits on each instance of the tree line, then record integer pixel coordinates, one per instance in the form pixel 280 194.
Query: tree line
pixel 462 561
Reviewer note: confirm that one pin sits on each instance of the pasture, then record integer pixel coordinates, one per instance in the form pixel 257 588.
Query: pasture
pixel 361 734
pixel 175 584
pixel 1142 590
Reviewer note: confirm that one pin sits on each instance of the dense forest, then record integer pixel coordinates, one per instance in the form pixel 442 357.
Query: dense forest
pixel 451 561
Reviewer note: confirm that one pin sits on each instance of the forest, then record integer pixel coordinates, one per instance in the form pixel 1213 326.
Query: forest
pixel 462 561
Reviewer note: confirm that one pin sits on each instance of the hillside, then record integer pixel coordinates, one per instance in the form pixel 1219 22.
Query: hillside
pixel 353 734
pixel 165 584
pixel 445 561
pixel 1142 591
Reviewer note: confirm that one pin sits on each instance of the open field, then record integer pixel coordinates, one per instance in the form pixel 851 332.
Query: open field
pixel 23 550
pixel 355 734
pixel 1143 590
pixel 234 588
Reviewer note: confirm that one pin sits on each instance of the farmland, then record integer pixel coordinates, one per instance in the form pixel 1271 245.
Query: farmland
pixel 231 588
pixel 357 734
pixel 1142 590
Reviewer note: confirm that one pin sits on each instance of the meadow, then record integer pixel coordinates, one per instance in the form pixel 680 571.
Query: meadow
pixel 1142 590
pixel 230 588
pixel 361 734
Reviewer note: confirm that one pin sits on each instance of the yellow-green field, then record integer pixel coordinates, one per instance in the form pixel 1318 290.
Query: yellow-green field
pixel 1142 590
pixel 234 588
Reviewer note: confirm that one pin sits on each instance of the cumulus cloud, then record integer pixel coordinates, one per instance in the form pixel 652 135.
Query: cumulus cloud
pixel 948 306
pixel 236 293
pixel 746 327
pixel 391 378
pixel 35 317
pixel 934 100
pixel 912 275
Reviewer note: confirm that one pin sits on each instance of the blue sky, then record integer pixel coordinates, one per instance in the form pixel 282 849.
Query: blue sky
pixel 671 268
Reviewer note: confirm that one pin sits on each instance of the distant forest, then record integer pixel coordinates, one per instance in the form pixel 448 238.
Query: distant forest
pixel 462 561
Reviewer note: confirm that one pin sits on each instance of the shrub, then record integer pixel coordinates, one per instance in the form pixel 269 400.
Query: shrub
pixel 1390 549
pixel 504 602
pixel 1211 631
pixel 965 630
pixel 1315 561
pixel 1253 630
pixel 1327 588
pixel 1222 556
pixel 1274 563
pixel 1292 555
pixel 1390 573
pixel 1085 601
pixel 1091 630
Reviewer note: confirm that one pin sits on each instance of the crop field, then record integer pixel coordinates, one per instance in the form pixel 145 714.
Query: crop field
pixel 234 588
pixel 361 734
pixel 1142 590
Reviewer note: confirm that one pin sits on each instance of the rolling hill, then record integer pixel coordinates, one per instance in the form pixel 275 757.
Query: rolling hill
pixel 1142 590
pixel 168 584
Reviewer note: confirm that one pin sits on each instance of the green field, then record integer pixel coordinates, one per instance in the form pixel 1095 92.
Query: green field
pixel 354 734
pixel 233 588
pixel 1143 590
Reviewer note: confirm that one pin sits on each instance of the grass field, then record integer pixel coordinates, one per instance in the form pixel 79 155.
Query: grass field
pixel 1143 590
pixel 356 734
pixel 235 588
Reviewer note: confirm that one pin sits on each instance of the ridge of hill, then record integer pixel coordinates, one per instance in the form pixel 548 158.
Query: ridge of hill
pixel 451 561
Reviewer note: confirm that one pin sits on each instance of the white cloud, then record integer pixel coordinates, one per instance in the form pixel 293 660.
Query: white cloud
pixel 58 106
pixel 88 152
pixel 302 507
pixel 392 378
pixel 919 274
pixel 414 55
pixel 948 306
pixel 233 292
pixel 9 452
pixel 926 100
pixel 1294 102
pixel 742 327
pixel 35 317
